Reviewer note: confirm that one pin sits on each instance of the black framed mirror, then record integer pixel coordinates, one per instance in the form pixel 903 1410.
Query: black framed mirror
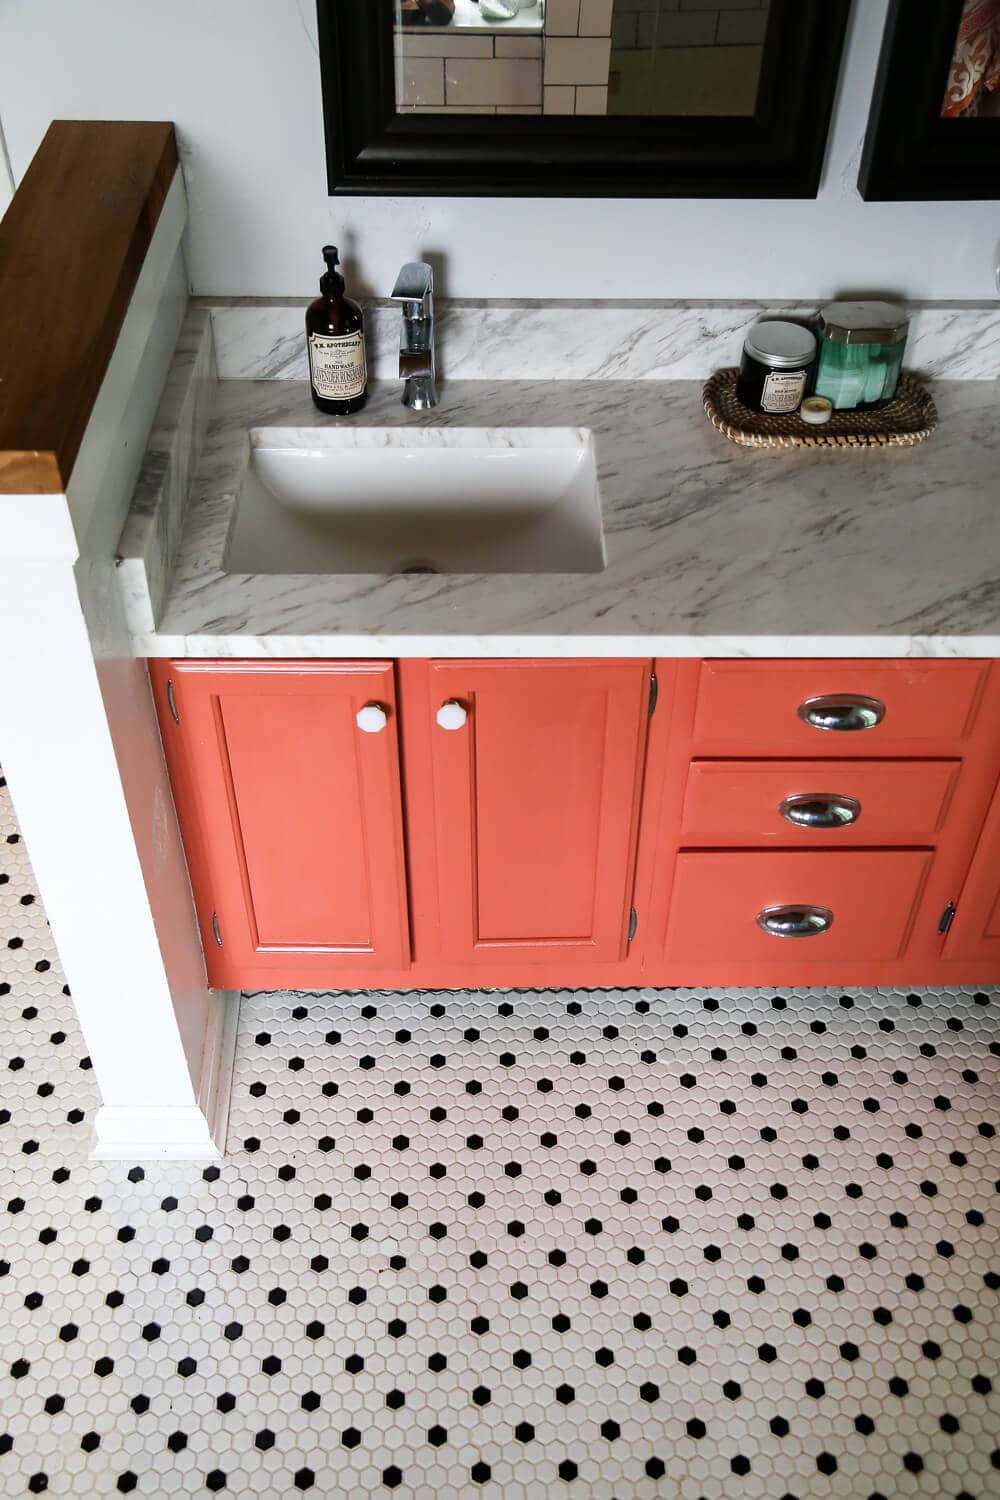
pixel 570 97
pixel 934 127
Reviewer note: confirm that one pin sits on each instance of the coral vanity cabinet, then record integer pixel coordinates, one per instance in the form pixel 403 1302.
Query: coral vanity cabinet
pixel 588 822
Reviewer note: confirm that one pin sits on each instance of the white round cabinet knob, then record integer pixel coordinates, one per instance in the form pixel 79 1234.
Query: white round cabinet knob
pixel 372 718
pixel 452 715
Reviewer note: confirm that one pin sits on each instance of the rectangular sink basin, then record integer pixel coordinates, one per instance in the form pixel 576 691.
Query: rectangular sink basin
pixel 426 500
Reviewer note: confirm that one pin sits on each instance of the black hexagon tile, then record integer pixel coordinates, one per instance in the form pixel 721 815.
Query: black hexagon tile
pixel 611 1245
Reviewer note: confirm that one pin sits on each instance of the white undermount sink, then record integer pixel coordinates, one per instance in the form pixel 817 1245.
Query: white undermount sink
pixel 436 500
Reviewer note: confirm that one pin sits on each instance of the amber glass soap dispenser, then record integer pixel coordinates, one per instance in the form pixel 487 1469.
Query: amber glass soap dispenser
pixel 335 333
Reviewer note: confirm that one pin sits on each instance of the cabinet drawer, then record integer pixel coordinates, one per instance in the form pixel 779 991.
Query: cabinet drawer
pixel 870 898
pixel 752 708
pixel 843 802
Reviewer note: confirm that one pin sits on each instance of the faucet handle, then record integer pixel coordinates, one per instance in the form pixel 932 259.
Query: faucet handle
pixel 415 284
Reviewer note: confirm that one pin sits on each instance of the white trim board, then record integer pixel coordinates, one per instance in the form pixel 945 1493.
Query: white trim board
pixel 80 746
pixel 140 1133
pixel 6 174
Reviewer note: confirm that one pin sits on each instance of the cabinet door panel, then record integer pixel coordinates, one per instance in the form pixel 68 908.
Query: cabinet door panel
pixel 535 806
pixel 294 790
pixel 291 814
pixel 975 932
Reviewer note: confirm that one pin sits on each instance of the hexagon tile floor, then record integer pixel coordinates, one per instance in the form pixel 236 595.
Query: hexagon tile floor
pixel 606 1245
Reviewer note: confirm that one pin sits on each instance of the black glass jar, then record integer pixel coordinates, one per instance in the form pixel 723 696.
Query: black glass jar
pixel 778 365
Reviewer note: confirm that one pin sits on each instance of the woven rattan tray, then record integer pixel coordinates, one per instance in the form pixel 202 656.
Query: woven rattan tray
pixel 905 421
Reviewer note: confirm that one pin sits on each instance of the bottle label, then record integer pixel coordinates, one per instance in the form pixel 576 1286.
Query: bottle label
pixel 337 365
pixel 783 390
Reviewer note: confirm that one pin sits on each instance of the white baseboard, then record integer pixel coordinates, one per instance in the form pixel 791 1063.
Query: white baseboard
pixel 216 1087
pixel 195 1132
pixel 137 1133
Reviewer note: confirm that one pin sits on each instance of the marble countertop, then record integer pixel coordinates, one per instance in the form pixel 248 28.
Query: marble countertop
pixel 711 549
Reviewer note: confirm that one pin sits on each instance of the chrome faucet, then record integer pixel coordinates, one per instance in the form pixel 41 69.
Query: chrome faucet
pixel 414 290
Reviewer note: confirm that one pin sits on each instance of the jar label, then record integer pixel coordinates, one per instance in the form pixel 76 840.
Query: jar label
pixel 337 365
pixel 783 390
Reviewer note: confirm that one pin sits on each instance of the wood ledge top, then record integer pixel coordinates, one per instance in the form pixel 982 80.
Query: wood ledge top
pixel 72 245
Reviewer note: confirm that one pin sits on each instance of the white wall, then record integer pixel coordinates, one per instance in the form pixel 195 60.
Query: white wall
pixel 6 176
pixel 241 79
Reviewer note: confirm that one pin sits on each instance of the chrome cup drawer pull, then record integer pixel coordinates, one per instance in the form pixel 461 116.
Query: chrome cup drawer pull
pixel 820 810
pixel 842 711
pixel 795 921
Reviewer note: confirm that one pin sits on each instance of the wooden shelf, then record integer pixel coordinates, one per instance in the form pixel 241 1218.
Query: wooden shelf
pixel 72 244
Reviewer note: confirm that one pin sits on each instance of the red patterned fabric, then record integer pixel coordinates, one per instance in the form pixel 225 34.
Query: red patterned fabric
pixel 975 65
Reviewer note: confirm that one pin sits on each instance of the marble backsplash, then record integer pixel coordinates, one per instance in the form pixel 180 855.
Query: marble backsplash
pixel 263 339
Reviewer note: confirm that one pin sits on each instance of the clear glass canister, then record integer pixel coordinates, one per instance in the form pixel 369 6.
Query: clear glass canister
pixel 860 353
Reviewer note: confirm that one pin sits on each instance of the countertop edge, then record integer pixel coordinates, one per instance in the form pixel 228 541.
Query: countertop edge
pixel 332 646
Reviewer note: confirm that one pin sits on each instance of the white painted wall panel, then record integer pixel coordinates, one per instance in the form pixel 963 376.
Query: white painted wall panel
pixel 6 175
pixel 241 78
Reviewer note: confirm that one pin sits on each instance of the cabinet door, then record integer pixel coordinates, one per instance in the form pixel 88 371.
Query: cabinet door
pixel 975 932
pixel 535 804
pixel 291 814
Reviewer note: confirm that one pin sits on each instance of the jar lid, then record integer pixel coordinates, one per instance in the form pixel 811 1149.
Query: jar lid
pixel 780 344
pixel 864 322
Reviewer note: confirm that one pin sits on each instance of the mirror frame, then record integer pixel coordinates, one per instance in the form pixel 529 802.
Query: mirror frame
pixel 911 153
pixel 775 153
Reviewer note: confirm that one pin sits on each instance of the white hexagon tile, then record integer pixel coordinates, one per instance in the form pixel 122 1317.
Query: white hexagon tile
pixel 607 1245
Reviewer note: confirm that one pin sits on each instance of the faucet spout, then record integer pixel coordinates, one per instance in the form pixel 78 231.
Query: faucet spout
pixel 414 291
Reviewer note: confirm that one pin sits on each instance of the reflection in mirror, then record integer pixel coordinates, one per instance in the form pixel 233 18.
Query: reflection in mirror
pixel 579 57
pixel 973 87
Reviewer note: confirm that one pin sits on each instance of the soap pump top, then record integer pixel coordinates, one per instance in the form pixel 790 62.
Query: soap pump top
pixel 331 283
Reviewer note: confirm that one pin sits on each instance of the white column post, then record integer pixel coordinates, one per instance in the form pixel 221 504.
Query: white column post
pixel 80 748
